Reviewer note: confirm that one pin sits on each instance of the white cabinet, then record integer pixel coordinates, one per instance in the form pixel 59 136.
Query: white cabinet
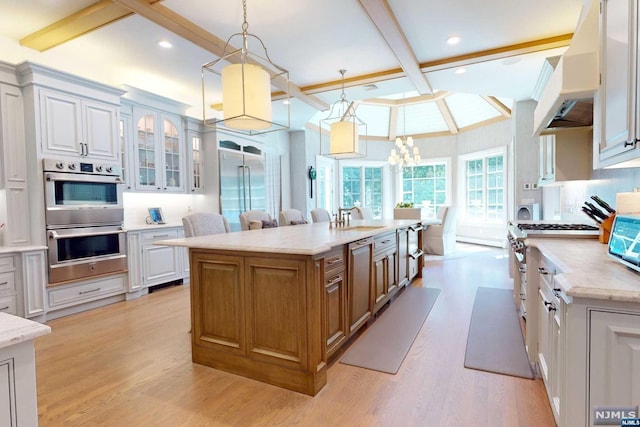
pixel 13 168
pixel 614 353
pixel 8 294
pixel 23 281
pixel 617 103
pixel 547 159
pixel 196 161
pixel 150 264
pixel 158 151
pixel 34 282
pixel 73 126
pixel 565 155
pixel 66 296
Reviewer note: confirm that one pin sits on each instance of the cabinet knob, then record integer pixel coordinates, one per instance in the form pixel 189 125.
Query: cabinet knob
pixel 630 143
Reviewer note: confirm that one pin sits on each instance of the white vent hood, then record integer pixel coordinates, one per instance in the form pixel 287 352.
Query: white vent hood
pixel 573 82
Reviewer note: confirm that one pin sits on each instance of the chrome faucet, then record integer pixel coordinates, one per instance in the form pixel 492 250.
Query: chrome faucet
pixel 342 218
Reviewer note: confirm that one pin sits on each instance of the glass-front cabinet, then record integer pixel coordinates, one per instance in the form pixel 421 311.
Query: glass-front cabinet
pixel 158 151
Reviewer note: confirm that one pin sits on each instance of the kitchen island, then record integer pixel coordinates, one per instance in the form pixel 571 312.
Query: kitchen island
pixel 271 304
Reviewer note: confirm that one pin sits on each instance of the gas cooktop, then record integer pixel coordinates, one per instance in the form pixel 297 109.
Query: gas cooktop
pixel 529 229
pixel 571 227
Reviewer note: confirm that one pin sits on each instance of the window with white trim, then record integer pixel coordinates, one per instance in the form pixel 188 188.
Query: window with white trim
pixel 484 177
pixel 426 186
pixel 362 186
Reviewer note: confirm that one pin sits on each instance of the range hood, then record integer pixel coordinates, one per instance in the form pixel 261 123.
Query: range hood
pixel 570 81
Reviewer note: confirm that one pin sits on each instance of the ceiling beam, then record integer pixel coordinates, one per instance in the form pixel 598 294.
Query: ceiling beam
pixel 499 106
pixel 441 94
pixel 383 18
pixel 197 35
pixel 99 14
pixel 447 116
pixel 471 58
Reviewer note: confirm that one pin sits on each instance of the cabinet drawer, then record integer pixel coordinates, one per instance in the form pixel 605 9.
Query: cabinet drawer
pixel 161 234
pixel 77 294
pixel 7 263
pixel 334 260
pixel 384 242
pixel 7 283
pixel 8 304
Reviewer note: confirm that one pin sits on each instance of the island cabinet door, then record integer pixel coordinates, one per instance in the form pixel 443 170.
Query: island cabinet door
pixel 359 283
pixel 276 311
pixel 335 310
pixel 217 303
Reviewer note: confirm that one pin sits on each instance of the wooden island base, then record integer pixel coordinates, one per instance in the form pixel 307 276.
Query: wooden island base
pixel 274 304
pixel 259 317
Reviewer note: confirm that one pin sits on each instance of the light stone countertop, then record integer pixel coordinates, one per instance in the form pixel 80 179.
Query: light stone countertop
pixel 14 330
pixel 18 249
pixel 587 271
pixel 143 227
pixel 305 239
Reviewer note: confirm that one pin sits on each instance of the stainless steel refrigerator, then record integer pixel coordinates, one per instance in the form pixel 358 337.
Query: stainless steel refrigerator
pixel 242 184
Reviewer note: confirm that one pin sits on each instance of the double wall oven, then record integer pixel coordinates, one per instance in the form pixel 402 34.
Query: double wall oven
pixel 84 220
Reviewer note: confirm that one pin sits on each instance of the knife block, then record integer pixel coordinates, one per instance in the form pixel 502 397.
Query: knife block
pixel 605 229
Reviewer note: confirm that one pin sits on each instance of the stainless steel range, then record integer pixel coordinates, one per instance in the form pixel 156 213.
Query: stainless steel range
pixel 518 232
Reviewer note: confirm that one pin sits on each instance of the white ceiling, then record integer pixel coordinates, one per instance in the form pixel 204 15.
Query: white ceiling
pixel 312 40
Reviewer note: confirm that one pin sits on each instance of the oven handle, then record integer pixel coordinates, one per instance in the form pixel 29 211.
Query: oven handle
pixel 80 177
pixel 55 235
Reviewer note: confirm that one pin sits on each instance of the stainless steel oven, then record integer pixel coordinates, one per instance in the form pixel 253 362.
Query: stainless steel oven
pixel 81 252
pixel 84 218
pixel 80 193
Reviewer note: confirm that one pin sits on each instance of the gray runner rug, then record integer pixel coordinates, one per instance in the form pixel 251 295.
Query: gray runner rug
pixel 495 342
pixel 384 345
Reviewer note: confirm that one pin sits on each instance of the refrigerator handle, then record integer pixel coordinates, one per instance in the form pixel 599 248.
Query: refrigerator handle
pixel 249 174
pixel 244 189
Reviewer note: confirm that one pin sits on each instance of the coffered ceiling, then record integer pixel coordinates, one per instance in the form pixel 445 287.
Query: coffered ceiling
pixel 392 50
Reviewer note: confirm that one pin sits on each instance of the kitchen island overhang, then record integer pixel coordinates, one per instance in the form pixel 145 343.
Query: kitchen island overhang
pixel 257 299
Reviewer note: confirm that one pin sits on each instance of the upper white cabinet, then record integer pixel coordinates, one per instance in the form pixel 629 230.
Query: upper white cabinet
pixel 73 126
pixel 616 104
pixel 13 168
pixel 159 151
pixel 195 156
pixel 565 155
pixel 68 116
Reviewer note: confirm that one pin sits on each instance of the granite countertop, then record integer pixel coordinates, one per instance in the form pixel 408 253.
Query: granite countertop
pixel 587 271
pixel 14 249
pixel 305 239
pixel 14 330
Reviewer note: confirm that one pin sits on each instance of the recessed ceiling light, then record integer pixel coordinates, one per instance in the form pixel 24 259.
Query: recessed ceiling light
pixel 453 40
pixel 286 102
pixel 461 71
pixel 370 87
pixel 165 44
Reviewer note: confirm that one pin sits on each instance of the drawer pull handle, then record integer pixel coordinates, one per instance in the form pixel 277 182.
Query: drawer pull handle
pixel 89 291
pixel 334 261
pixel 3 283
pixel 384 242
pixel 160 235
pixel 334 281
pixel 4 308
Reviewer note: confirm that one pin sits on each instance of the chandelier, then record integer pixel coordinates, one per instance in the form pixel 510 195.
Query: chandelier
pixel 345 129
pixel 405 153
pixel 246 87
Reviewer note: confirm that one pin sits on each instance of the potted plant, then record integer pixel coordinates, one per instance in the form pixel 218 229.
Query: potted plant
pixel 405 210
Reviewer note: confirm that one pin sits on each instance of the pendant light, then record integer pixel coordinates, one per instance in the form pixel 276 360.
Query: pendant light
pixel 405 153
pixel 246 87
pixel 347 133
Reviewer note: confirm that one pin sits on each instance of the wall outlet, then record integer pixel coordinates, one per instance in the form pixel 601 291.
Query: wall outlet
pixel 526 187
pixel 534 186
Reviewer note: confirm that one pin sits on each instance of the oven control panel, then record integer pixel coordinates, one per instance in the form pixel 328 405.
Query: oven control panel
pixel 72 166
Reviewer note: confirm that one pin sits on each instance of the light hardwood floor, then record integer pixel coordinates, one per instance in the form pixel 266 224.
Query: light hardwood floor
pixel 129 364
